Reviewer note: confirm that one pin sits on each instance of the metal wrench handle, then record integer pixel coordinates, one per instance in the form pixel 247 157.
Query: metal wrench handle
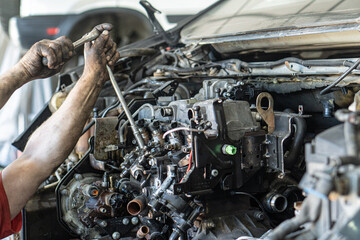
pixel 121 98
pixel 92 35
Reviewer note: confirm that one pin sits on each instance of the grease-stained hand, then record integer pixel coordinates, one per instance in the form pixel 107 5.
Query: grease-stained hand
pixel 99 53
pixel 57 52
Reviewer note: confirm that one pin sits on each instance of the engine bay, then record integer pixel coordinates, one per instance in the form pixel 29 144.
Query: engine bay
pixel 218 148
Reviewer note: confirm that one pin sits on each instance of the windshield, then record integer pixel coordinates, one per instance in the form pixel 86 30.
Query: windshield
pixel 233 17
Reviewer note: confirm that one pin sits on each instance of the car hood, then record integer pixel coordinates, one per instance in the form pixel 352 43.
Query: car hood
pixel 268 25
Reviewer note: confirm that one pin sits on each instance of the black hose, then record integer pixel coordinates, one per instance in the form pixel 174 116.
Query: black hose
pixel 172 55
pixel 298 141
pixel 110 108
pixel 337 81
pixel 137 52
pixel 137 90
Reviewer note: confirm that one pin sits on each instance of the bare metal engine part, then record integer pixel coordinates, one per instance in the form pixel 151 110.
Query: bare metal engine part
pixel 332 208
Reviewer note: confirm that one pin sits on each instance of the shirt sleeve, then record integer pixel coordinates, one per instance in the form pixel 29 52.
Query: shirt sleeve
pixel 7 227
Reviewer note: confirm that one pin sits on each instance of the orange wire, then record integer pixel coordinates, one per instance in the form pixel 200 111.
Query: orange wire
pixel 189 167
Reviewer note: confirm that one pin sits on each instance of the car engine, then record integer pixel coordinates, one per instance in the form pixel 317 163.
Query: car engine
pixel 214 149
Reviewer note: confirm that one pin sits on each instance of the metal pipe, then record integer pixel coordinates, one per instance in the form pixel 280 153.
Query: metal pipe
pixel 134 128
pixel 142 232
pixel 136 206
pixel 275 202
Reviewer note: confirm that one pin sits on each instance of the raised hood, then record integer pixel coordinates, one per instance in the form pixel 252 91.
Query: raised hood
pixel 277 25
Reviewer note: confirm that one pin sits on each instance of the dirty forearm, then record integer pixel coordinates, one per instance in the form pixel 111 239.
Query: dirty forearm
pixel 10 81
pixel 63 129
pixel 50 144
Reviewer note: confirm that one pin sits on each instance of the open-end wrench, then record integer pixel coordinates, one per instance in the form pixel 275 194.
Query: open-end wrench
pixel 92 35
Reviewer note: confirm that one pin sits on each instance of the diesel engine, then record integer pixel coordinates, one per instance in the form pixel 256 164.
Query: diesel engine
pixel 203 146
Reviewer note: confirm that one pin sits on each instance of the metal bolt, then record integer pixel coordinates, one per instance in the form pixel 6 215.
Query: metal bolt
pixel 79 231
pixel 102 224
pixel 209 225
pixel 78 176
pixel 116 235
pixel 267 155
pixel 134 220
pixel 301 109
pixel 64 192
pixel 259 216
pixel 214 172
pixel 125 221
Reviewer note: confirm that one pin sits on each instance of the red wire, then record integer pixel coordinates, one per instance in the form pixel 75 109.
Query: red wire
pixel 189 167
pixel 190 157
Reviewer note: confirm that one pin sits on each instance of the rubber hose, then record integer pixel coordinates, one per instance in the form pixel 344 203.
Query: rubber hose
pixel 298 141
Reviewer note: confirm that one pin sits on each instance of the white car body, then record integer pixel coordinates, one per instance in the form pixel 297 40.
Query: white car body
pixel 167 7
pixel 68 17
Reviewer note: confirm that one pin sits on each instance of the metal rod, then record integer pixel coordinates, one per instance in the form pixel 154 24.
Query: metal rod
pixel 134 128
pixel 347 72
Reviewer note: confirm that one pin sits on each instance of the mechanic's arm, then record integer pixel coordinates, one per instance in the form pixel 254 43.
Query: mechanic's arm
pixel 30 66
pixel 53 141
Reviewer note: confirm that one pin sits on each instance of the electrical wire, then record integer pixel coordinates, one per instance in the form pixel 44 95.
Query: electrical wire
pixel 189 167
pixel 181 129
pixel 347 72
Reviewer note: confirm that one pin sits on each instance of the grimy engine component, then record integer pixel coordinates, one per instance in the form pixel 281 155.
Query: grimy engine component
pixel 92 35
pixel 195 153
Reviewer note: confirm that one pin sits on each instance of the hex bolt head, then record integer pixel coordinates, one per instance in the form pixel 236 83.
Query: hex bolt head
pixel 125 221
pixel 134 221
pixel 116 235
pixel 259 215
pixel 214 172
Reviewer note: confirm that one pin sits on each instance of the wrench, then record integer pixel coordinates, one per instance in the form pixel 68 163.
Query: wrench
pixel 92 35
pixel 128 114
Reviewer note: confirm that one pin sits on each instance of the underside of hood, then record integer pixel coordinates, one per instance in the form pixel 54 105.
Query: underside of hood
pixel 268 26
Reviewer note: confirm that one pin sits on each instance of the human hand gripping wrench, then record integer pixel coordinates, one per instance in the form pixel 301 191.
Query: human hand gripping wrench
pixel 90 36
